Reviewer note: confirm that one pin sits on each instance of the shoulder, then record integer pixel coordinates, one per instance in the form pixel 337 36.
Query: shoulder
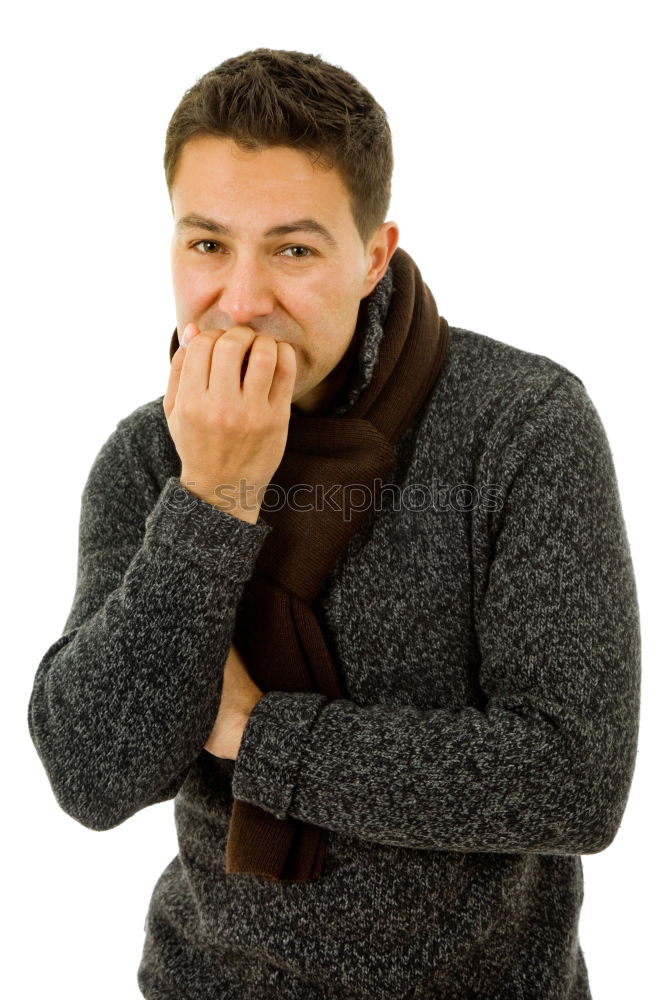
pixel 479 361
pixel 491 395
pixel 485 379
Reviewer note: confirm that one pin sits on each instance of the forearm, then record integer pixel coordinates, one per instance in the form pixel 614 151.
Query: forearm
pixel 124 702
pixel 501 781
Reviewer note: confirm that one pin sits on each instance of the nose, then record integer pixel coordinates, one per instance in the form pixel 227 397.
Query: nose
pixel 245 292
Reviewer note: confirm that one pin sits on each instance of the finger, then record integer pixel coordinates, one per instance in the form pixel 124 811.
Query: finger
pixel 198 359
pixel 189 333
pixel 284 378
pixel 227 361
pixel 174 381
pixel 260 368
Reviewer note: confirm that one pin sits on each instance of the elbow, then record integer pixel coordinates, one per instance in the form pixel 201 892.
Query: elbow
pixel 98 809
pixel 93 818
pixel 612 775
pixel 601 822
pixel 99 788
pixel 595 798
pixel 87 778
pixel 574 822
pixel 87 800
pixel 78 782
pixel 576 789
pixel 90 808
pixel 593 837
pixel 100 805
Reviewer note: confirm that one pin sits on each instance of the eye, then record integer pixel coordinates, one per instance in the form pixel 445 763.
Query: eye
pixel 308 252
pixel 208 247
pixel 207 244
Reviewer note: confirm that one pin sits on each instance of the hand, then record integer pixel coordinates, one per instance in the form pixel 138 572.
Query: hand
pixel 239 696
pixel 228 428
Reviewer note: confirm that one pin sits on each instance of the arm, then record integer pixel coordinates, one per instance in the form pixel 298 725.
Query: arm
pixel 546 766
pixel 123 702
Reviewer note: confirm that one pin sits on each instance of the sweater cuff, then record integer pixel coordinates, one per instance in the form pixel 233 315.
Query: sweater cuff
pixel 268 759
pixel 200 531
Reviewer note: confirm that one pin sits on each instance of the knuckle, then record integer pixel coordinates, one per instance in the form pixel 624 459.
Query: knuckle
pixel 186 408
pixel 229 341
pixel 265 349
pixel 239 334
pixel 220 418
pixel 266 420
pixel 263 359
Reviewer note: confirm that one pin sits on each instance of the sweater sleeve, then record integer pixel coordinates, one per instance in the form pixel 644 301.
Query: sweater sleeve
pixel 123 702
pixel 546 764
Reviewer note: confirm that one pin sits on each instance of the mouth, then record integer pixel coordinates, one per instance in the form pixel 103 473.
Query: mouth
pixel 244 364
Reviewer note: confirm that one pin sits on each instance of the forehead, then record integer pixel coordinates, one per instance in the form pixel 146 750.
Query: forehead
pixel 217 167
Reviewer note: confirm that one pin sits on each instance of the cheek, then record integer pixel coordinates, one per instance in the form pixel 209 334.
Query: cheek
pixel 178 276
pixel 191 288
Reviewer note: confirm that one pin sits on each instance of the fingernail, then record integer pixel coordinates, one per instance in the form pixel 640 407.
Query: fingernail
pixel 188 333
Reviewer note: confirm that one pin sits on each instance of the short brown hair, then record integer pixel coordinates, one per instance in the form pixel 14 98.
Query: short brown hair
pixel 272 97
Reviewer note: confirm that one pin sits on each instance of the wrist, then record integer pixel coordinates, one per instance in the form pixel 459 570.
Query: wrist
pixel 240 729
pixel 244 510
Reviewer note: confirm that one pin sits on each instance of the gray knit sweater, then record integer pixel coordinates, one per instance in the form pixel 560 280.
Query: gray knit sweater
pixel 486 625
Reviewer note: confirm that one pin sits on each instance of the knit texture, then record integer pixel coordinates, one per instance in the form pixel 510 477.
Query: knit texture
pixel 486 625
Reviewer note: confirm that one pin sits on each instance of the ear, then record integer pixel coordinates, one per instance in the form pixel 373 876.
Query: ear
pixel 380 250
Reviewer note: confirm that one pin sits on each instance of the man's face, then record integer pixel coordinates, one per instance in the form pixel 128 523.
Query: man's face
pixel 295 285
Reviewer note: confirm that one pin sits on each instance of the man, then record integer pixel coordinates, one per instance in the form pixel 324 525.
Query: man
pixel 356 592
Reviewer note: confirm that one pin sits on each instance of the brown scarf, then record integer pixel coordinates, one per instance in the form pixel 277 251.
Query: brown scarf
pixel 276 630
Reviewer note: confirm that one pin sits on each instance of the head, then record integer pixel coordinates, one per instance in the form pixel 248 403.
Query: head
pixel 266 140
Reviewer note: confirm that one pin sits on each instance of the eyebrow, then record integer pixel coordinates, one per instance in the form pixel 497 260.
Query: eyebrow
pixel 306 225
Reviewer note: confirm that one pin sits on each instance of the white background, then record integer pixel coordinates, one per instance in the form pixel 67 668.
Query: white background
pixel 528 188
